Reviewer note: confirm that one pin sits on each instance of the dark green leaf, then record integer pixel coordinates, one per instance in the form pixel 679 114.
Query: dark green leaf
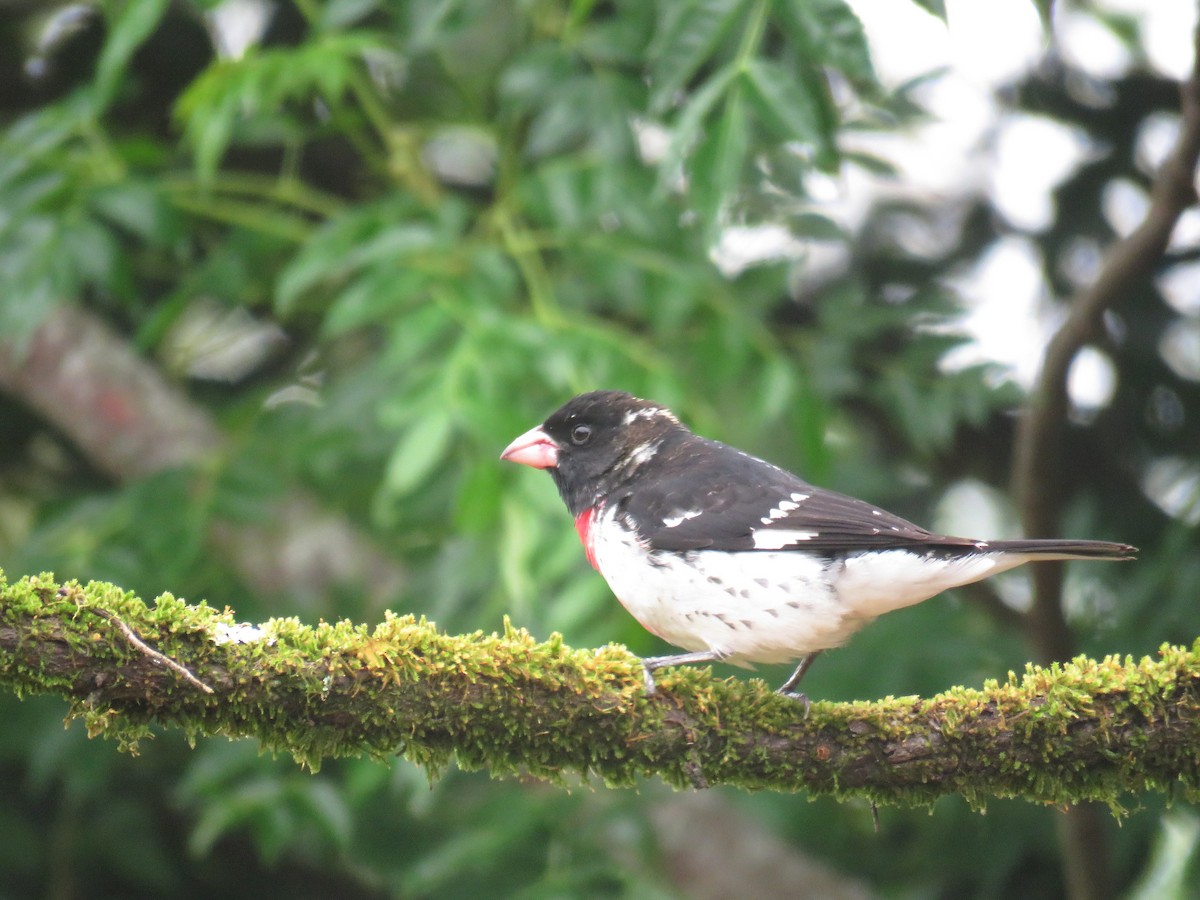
pixel 687 39
pixel 620 40
pixel 137 207
pixel 562 123
pixel 936 7
pixel 688 125
pixel 715 173
pixel 257 89
pixel 129 24
pixel 784 102
pixel 829 33
pixel 378 295
pixel 346 245
pixel 872 163
pixel 796 107
pixel 814 226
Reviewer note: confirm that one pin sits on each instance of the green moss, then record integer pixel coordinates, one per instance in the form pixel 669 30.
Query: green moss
pixel 506 702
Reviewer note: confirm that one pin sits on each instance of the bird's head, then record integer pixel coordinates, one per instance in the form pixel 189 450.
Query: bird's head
pixel 593 442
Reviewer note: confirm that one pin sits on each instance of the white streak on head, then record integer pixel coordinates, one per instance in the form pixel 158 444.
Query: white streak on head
pixel 780 538
pixel 649 412
pixel 672 521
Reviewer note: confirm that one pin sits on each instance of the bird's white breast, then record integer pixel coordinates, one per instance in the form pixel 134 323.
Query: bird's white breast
pixel 757 606
pixel 767 606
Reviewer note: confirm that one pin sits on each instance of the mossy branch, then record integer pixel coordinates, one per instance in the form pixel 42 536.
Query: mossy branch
pixel 1083 730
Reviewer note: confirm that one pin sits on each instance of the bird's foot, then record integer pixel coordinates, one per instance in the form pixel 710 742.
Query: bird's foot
pixel 650 663
pixel 799 697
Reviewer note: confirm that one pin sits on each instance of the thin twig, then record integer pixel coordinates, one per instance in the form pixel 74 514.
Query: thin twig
pixel 149 651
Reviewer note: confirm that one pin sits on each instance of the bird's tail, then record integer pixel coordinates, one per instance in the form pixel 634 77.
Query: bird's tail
pixel 1066 549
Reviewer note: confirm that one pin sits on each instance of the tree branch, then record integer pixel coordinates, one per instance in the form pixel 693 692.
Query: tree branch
pixel 1084 730
pixel 130 422
pixel 1038 454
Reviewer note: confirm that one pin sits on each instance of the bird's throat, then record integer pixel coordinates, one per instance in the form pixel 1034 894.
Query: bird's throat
pixel 583 525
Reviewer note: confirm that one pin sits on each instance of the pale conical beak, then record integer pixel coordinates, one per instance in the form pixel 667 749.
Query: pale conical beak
pixel 533 448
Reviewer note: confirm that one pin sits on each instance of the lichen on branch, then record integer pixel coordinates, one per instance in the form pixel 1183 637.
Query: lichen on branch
pixel 1094 730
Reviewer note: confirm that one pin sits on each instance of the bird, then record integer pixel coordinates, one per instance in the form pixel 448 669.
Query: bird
pixel 733 559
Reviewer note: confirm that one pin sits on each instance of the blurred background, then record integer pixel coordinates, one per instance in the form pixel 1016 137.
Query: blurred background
pixel 280 280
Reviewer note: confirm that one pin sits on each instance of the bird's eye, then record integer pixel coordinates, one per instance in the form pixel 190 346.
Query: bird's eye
pixel 581 434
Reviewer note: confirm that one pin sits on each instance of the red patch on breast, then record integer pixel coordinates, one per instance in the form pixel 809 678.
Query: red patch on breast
pixel 583 525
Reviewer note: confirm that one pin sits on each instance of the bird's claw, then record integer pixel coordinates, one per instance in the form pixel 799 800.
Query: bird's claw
pixel 798 696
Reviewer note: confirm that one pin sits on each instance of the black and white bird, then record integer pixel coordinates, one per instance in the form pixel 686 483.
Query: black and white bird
pixel 734 559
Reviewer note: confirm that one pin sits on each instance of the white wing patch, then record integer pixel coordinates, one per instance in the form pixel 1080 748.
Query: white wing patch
pixel 784 507
pixel 679 519
pixel 780 538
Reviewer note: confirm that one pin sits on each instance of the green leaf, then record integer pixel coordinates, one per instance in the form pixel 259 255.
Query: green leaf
pixel 828 32
pixel 689 35
pixel 688 125
pixel 563 122
pixel 620 40
pixel 715 174
pixel 92 249
pixel 139 208
pixel 325 806
pixel 934 7
pixel 1166 874
pixel 337 14
pixel 419 452
pixel 28 141
pixel 814 226
pixel 256 90
pixel 870 162
pixel 1045 10
pixel 375 296
pixel 784 102
pixel 348 244
pixel 132 22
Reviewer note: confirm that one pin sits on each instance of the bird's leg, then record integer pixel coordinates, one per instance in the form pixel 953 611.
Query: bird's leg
pixel 650 663
pixel 788 688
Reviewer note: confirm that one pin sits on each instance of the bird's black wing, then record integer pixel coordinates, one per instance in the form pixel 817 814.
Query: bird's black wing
pixel 703 495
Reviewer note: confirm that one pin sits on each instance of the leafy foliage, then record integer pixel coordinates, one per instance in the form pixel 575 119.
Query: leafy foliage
pixel 460 213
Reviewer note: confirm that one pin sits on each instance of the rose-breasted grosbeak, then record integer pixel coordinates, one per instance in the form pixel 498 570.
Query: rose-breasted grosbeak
pixel 734 559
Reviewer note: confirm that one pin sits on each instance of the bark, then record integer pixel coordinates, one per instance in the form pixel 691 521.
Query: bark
pixel 130 421
pixel 1087 730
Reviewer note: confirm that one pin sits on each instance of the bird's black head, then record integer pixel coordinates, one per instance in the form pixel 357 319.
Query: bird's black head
pixel 594 442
